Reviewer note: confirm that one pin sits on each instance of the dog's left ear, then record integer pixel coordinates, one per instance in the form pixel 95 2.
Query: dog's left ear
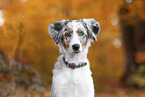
pixel 92 26
pixel 55 30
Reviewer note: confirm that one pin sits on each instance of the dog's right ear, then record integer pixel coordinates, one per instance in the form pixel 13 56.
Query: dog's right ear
pixel 55 30
pixel 92 26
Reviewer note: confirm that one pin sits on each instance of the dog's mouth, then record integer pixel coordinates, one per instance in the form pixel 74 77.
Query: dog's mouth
pixel 76 51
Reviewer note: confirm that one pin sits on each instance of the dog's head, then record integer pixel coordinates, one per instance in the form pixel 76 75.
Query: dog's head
pixel 73 35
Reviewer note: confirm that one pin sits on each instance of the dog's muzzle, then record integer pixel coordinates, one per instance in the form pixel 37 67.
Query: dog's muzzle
pixel 76 48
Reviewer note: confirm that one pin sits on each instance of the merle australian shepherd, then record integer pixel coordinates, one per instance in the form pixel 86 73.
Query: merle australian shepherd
pixel 72 74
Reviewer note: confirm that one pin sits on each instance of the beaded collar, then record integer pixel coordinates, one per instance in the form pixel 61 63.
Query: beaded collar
pixel 73 65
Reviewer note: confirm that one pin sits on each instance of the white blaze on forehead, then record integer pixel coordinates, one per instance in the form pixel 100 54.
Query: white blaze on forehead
pixel 74 25
pixel 75 39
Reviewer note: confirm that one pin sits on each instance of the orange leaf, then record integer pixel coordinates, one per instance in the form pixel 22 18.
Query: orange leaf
pixel 12 96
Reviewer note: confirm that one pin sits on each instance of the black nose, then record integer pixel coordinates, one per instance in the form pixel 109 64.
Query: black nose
pixel 76 47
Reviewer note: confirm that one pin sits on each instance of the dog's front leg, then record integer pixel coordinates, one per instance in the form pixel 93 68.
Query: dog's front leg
pixel 58 94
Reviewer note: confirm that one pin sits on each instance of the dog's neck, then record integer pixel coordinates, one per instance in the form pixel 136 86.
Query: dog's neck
pixel 76 57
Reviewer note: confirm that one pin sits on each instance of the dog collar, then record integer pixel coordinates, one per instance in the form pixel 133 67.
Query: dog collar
pixel 73 65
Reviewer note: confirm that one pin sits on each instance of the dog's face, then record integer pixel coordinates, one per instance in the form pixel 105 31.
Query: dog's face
pixel 73 35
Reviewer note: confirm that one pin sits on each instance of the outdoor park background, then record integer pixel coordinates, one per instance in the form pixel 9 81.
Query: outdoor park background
pixel 28 53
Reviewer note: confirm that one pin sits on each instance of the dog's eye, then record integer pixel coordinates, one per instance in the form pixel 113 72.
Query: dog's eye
pixel 68 34
pixel 81 33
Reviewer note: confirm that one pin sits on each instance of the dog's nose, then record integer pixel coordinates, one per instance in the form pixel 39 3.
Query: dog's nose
pixel 76 47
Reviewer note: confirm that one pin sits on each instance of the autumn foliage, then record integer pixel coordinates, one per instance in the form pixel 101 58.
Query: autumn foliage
pixel 24 40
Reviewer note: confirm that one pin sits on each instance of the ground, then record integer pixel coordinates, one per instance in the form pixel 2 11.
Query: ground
pixel 110 89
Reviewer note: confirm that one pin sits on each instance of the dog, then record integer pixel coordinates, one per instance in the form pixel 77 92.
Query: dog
pixel 72 74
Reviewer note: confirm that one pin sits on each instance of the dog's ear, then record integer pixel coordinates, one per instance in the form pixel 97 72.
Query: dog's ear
pixel 93 27
pixel 55 30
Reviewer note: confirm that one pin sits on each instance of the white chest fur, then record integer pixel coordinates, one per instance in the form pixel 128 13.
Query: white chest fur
pixel 69 82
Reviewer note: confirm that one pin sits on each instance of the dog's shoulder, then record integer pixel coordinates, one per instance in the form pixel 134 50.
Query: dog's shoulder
pixel 59 64
pixel 60 58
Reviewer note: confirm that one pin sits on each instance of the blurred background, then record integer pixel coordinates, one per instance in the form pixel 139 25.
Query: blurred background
pixel 28 53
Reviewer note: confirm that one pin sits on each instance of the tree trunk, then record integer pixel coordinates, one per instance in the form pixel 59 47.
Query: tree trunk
pixel 133 35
